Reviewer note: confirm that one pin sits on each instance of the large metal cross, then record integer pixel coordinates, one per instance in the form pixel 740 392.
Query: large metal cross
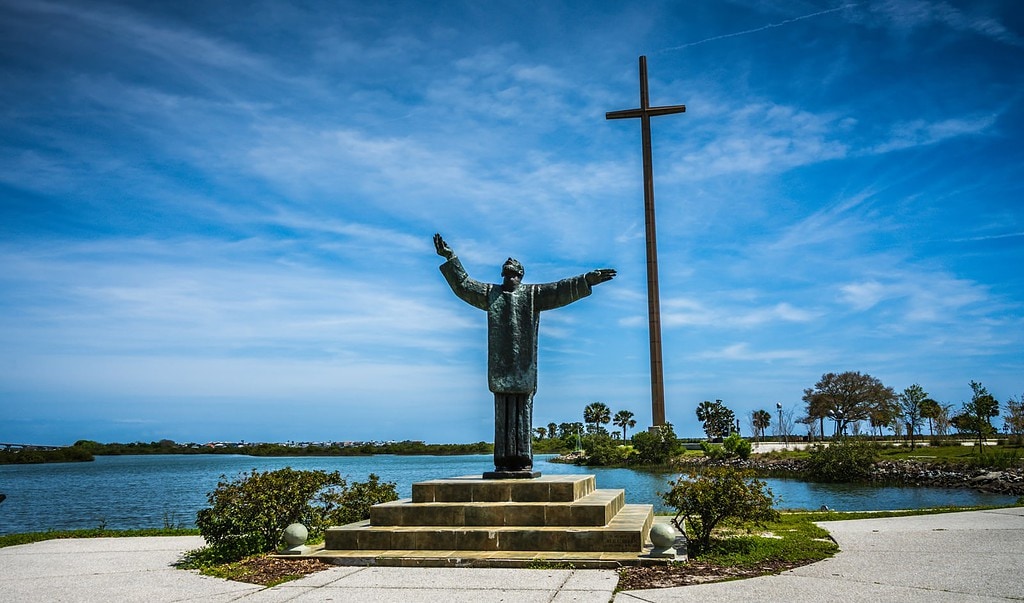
pixel 645 112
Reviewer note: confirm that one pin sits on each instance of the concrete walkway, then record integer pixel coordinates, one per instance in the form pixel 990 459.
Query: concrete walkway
pixel 971 557
pixel 966 557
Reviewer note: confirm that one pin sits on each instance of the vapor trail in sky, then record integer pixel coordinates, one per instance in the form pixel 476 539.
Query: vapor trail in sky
pixel 755 30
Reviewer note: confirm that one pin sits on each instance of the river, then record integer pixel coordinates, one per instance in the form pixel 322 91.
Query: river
pixel 159 490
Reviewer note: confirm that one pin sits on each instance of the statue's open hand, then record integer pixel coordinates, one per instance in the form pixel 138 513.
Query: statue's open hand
pixel 442 248
pixel 601 275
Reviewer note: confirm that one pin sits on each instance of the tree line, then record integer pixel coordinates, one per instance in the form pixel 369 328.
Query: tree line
pixel 408 447
pixel 852 400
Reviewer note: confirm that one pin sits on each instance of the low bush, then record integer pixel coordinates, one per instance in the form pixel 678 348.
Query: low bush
pixel 654 447
pixel 712 496
pixel 843 460
pixel 732 446
pixel 602 450
pixel 248 514
pixel 997 459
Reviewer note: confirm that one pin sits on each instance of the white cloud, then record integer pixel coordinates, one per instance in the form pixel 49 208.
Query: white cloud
pixel 914 14
pixel 679 311
pixel 862 296
pixel 742 352
pixel 920 132
pixel 926 296
pixel 763 137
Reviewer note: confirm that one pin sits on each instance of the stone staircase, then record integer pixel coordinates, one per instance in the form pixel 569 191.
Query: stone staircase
pixel 557 513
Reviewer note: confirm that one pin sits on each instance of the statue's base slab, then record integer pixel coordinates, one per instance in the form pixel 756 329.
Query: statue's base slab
pixel 524 474
pixel 495 520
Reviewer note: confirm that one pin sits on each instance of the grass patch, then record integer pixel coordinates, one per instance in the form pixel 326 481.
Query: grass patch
pixel 946 454
pixel 793 539
pixel 30 537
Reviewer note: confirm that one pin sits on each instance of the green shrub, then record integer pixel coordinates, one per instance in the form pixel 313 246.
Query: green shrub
pixel 654 447
pixel 736 445
pixel 843 460
pixel 732 446
pixel 716 495
pixel 602 450
pixel 997 459
pixel 247 515
pixel 714 452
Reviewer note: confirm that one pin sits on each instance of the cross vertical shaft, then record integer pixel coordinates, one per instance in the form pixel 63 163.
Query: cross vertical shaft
pixel 645 112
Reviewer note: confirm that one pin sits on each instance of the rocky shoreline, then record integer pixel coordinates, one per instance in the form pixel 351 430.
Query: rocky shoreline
pixel 908 473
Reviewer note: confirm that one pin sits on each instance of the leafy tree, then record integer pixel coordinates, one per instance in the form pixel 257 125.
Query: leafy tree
pixel 248 514
pixel 624 419
pixel 977 414
pixel 718 420
pixel 911 403
pixel 597 414
pixel 761 419
pixel 930 410
pixel 1013 421
pixel 885 413
pixel 569 431
pixel 717 495
pixel 817 408
pixel 846 397
pixel 655 446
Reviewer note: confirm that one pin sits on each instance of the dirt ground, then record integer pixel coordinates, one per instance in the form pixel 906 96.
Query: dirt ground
pixel 268 570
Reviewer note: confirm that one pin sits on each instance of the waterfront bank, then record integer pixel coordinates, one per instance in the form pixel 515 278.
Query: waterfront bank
pixel 154 491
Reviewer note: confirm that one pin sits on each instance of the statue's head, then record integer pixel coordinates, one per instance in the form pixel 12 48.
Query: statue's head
pixel 512 267
pixel 512 272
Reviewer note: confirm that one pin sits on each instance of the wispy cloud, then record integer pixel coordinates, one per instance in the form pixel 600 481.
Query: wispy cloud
pixel 679 312
pixel 920 132
pixel 913 14
pixel 924 296
pixel 742 352
pixel 762 137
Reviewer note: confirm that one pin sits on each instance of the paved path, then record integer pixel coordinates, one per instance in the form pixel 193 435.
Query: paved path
pixel 966 557
pixel 970 557
pixel 139 569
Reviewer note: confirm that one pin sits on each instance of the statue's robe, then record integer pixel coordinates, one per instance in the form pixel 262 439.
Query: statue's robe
pixel 513 320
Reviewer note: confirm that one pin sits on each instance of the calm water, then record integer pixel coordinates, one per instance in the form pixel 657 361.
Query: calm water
pixel 153 491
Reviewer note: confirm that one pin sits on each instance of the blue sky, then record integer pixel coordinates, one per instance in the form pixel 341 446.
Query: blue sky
pixel 216 218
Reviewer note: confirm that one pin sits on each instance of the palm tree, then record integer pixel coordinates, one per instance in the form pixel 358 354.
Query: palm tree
pixel 541 432
pixel 552 430
pixel 597 413
pixel 761 420
pixel 624 419
pixel 930 410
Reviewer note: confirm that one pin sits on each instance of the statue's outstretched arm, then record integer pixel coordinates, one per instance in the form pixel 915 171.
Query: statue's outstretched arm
pixel 601 275
pixel 442 248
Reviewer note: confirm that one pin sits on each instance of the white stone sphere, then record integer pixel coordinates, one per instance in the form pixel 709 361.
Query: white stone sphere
pixel 663 535
pixel 295 534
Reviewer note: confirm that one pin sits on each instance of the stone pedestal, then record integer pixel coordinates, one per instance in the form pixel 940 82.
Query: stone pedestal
pixel 563 513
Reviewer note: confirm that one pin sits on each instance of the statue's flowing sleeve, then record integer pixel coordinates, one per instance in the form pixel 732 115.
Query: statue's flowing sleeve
pixel 561 293
pixel 471 291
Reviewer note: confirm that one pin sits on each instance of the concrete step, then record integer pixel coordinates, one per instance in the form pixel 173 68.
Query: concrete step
pixel 595 509
pixel 626 532
pixel 472 488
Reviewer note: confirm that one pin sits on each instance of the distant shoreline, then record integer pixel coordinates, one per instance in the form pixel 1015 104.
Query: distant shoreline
pixel 86 450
